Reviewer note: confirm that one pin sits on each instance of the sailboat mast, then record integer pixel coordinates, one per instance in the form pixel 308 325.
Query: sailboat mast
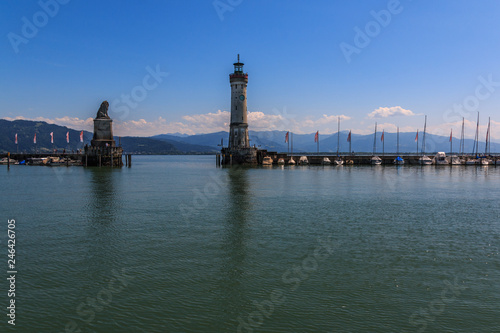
pixel 375 140
pixel 476 138
pixel 487 138
pixel 338 136
pixel 423 140
pixel 462 138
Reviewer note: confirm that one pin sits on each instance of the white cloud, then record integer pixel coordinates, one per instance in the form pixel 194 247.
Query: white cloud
pixel 260 121
pixel 384 112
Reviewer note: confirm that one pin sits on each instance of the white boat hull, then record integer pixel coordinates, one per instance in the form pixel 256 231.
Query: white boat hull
pixel 376 160
pixel 424 160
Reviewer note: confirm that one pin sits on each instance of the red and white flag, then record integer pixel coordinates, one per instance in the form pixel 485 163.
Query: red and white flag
pixel 81 136
pixel 349 137
pixel 286 137
pixel 16 138
pixel 416 137
pixel 382 136
pixel 316 136
pixel 51 137
pixel 451 135
pixel 67 137
pixel 34 139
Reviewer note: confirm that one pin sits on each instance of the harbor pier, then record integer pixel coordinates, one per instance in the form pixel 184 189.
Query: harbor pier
pixel 359 158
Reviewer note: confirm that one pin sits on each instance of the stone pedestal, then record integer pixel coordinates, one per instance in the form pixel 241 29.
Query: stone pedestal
pixel 103 133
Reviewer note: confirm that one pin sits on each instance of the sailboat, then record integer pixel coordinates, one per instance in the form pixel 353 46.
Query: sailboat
pixel 375 160
pixel 485 160
pixel 291 161
pixel 398 160
pixel 475 147
pixel 338 160
pixel 424 160
pixel 456 160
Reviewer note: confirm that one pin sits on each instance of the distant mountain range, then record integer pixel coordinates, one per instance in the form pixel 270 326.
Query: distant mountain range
pixel 177 143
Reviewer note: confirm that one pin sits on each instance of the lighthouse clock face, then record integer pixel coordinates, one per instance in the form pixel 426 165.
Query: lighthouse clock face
pixel 242 98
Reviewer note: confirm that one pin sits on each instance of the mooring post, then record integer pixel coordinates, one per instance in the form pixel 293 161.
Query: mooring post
pixel 129 160
pixel 111 157
pixel 99 160
pixel 231 159
pixel 8 160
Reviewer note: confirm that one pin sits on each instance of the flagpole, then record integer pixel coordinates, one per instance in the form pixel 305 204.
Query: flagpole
pixel 417 141
pixel 451 142
pixel 383 143
pixel 318 142
pixel 350 139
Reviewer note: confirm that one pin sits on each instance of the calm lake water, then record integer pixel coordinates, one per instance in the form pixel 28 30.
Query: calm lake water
pixel 175 244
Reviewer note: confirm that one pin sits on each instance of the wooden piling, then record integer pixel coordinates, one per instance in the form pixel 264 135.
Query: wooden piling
pixel 8 160
pixel 129 160
pixel 99 160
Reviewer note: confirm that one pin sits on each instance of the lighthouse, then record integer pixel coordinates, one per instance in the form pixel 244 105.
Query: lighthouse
pixel 238 128
pixel 239 150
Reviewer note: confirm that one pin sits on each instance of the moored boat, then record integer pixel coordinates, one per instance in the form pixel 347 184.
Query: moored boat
pixel 326 161
pixel 281 161
pixel 267 161
pixel 7 160
pixel 399 161
pixel 303 160
pixel 424 160
pixel 375 160
pixel 440 159
pixel 455 160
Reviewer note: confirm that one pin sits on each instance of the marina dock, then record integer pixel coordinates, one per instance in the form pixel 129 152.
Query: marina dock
pixel 354 159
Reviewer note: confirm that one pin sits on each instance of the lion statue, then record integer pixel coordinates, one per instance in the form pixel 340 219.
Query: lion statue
pixel 103 111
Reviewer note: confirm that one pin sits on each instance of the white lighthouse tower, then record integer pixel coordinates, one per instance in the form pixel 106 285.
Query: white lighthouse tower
pixel 238 128
pixel 239 150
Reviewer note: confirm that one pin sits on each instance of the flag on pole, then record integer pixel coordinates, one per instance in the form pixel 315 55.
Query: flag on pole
pixel 34 139
pixel 316 136
pixel 416 137
pixel 286 136
pixel 349 137
pixel 51 137
pixel 67 137
pixel 382 136
pixel 16 138
pixel 81 136
pixel 451 134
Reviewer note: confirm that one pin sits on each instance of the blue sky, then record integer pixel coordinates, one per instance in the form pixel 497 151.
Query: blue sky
pixel 411 58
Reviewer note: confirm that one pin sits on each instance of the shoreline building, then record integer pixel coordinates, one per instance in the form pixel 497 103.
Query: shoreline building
pixel 239 150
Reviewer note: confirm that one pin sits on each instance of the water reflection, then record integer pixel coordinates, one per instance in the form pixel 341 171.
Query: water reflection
pixel 101 214
pixel 235 242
